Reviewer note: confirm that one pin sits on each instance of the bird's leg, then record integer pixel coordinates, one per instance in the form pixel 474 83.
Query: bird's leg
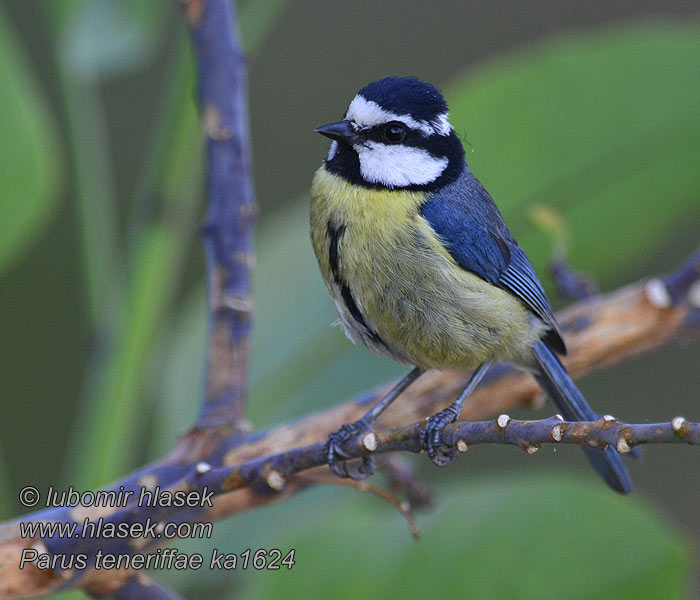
pixel 431 436
pixel 336 456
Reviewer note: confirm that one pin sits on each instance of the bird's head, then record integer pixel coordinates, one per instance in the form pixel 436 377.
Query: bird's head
pixel 395 135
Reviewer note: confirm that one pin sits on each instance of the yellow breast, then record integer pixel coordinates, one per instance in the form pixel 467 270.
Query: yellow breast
pixel 367 209
pixel 427 310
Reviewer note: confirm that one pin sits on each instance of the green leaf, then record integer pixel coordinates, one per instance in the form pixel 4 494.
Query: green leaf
pixel 603 126
pixel 29 162
pixel 112 413
pixel 502 539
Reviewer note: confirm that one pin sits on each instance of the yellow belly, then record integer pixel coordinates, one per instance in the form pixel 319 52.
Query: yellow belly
pixel 426 309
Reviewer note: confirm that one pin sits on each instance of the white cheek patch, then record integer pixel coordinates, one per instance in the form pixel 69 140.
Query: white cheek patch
pixel 368 113
pixel 398 166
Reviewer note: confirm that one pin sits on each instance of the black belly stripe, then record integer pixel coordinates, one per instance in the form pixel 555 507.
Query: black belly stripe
pixel 335 233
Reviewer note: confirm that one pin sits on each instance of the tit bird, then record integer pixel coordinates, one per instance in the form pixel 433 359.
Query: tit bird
pixel 420 265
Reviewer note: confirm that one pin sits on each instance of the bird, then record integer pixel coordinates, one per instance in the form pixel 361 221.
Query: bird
pixel 421 266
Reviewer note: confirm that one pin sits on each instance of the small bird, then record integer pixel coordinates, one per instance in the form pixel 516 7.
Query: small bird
pixel 421 266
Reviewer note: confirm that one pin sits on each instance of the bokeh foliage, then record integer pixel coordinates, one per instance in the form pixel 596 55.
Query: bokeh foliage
pixel 602 126
pixel 29 159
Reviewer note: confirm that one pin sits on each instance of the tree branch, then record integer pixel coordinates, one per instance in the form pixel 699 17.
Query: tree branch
pixel 228 230
pixel 271 472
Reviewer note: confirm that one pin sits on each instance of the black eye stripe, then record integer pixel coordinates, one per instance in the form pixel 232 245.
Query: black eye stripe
pixel 413 137
pixel 376 134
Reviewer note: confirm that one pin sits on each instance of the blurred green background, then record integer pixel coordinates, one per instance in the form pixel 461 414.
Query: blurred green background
pixel 592 108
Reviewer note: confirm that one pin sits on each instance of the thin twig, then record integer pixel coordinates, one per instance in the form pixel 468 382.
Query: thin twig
pixel 570 282
pixel 402 477
pixel 527 435
pixel 403 506
pixel 228 230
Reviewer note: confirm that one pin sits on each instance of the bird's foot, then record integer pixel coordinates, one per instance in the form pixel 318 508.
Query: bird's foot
pixel 337 457
pixel 431 437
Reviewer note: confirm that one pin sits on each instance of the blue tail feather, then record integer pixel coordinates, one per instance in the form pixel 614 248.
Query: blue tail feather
pixel 555 381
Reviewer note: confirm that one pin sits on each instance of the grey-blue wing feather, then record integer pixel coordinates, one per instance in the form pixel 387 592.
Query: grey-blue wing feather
pixel 520 278
pixel 469 223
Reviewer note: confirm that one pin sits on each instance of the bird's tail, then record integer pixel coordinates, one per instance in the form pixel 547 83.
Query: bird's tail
pixel 555 381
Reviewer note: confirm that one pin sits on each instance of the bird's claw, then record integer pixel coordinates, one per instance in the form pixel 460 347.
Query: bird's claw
pixel 431 438
pixel 337 457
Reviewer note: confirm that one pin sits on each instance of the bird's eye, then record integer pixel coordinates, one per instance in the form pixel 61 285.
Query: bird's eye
pixel 394 132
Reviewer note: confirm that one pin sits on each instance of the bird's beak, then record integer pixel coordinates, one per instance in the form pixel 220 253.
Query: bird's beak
pixel 341 131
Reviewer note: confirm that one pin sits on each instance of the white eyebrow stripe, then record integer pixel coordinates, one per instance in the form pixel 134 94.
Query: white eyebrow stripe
pixel 442 125
pixel 367 113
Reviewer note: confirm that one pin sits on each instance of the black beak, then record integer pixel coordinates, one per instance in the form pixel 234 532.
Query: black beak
pixel 341 131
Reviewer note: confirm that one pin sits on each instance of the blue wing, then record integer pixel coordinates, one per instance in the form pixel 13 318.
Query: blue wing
pixel 469 223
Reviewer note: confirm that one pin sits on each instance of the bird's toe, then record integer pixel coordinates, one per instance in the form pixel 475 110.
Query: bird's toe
pixel 337 455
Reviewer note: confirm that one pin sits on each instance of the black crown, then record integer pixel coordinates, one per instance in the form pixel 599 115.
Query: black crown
pixel 406 95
